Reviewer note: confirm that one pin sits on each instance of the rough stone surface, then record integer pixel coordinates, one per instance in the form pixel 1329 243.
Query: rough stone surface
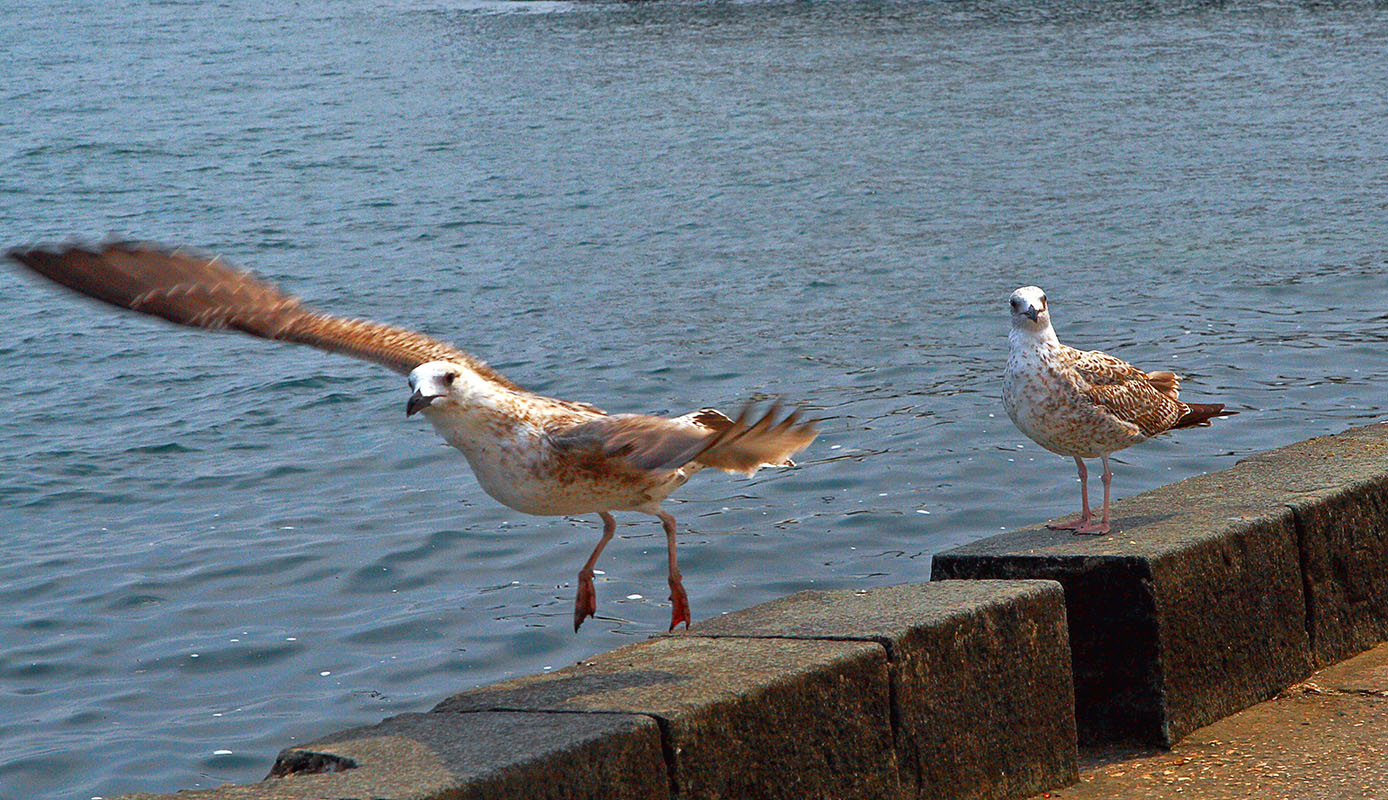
pixel 1337 488
pixel 740 718
pixel 981 689
pixel 1190 610
pixel 1209 596
pixel 1216 592
pixel 1320 740
pixel 469 757
pixel 1174 622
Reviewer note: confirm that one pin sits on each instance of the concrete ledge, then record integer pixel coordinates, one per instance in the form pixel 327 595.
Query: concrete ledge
pixel 944 690
pixel 1216 592
pixel 469 757
pixel 1337 489
pixel 982 700
pixel 741 718
pixel 1211 594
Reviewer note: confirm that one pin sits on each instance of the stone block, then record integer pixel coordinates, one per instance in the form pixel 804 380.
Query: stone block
pixel 1189 611
pixel 982 698
pixel 740 718
pixel 1337 489
pixel 468 757
pixel 1216 592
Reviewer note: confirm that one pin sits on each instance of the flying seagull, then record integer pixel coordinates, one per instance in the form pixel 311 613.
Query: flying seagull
pixel 535 454
pixel 1085 404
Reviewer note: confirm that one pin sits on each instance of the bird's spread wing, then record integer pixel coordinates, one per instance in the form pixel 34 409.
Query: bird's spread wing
pixel 1128 393
pixel 191 289
pixel 706 436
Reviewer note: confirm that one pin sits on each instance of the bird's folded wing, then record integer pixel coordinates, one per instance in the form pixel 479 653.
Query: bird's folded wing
pixel 641 441
pixel 191 289
pixel 1126 392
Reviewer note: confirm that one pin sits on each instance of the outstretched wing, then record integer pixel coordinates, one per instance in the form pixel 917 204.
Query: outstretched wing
pixel 191 289
pixel 1126 392
pixel 706 436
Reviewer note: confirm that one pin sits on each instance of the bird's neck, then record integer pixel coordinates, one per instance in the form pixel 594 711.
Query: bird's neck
pixel 1043 339
pixel 477 422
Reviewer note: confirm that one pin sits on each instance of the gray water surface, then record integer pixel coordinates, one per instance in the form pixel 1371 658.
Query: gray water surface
pixel 212 547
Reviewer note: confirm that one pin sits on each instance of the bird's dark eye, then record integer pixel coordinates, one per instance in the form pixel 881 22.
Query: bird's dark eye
pixel 449 377
pixel 1016 303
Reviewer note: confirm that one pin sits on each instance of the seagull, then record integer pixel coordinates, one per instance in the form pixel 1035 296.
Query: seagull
pixel 1085 404
pixel 535 454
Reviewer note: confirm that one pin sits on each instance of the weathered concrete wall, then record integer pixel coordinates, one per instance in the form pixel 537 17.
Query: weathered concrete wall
pixel 921 691
pixel 982 701
pixel 1337 490
pixel 1211 594
pixel 467 757
pixel 1216 592
pixel 741 718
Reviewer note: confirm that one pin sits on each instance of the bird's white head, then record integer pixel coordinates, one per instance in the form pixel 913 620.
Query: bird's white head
pixel 1029 309
pixel 436 383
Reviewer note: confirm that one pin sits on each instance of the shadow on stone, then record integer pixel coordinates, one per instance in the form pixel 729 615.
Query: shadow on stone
pixel 556 693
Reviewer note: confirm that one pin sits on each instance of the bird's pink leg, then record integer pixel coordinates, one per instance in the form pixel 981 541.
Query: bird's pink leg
pixel 1085 515
pixel 1102 526
pixel 586 601
pixel 679 601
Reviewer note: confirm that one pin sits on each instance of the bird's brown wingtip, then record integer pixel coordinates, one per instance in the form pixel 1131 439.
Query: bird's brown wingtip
pixel 29 254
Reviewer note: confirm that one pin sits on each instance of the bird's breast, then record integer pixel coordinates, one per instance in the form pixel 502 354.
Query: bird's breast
pixel 517 465
pixel 1043 400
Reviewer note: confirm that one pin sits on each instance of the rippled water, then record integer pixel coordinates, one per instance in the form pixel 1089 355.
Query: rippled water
pixel 212 547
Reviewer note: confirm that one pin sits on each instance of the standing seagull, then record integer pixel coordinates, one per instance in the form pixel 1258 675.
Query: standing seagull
pixel 535 454
pixel 1085 404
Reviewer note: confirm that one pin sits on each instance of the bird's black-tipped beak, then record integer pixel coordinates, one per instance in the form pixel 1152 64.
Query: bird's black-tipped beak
pixel 418 402
pixel 1031 313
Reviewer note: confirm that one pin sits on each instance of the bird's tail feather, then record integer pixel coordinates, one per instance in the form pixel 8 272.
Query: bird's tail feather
pixel 746 444
pixel 1200 414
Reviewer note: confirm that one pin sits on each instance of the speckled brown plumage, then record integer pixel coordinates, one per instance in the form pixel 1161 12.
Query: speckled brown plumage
pixel 1145 400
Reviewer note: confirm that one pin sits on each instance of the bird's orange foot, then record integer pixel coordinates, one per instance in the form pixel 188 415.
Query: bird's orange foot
pixel 585 602
pixel 680 602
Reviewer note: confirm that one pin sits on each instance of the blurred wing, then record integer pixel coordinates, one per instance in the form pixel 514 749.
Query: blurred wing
pixel 1126 392
pixel 191 289
pixel 642 441
pixel 706 436
pixel 745 444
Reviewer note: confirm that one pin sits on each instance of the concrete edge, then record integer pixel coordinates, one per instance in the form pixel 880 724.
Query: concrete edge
pixel 1307 500
pixel 1216 592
